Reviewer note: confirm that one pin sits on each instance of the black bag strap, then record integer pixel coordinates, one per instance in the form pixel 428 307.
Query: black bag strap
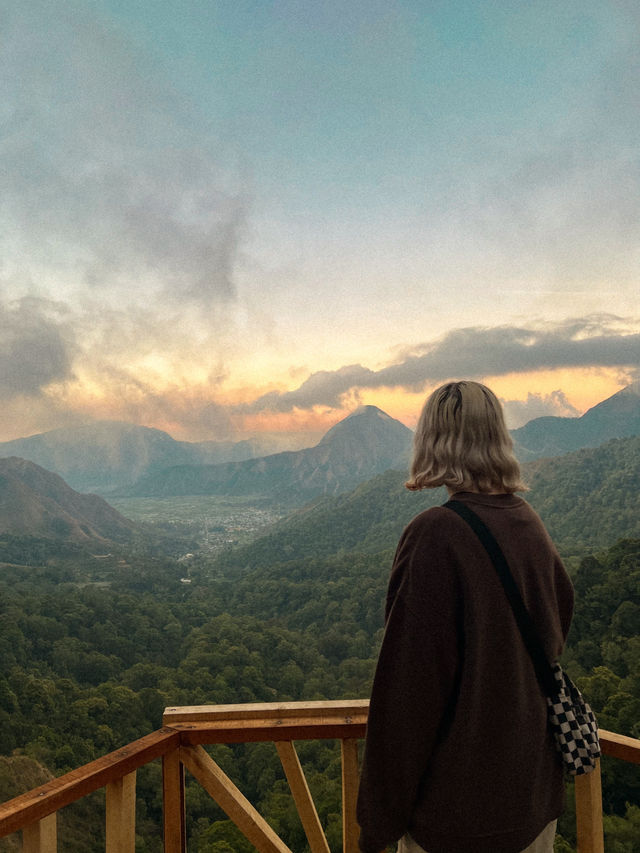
pixel 543 668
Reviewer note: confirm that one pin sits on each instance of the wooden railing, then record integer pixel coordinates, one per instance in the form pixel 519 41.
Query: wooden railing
pixel 180 744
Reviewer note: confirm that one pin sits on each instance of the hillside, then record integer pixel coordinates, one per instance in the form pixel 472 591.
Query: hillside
pixel 35 502
pixel 616 417
pixel 587 499
pixel 86 668
pixel 365 443
pixel 108 454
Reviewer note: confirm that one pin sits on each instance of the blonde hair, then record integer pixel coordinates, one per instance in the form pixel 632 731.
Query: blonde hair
pixel 461 441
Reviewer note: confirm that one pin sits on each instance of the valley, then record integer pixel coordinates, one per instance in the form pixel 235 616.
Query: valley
pixel 111 610
pixel 214 522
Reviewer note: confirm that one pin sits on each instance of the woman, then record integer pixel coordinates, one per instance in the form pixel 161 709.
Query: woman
pixel 458 756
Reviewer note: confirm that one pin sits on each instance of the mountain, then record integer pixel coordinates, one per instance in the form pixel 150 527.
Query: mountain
pixel 105 455
pixel 365 443
pixel 110 456
pixel 35 502
pixel 616 417
pixel 588 499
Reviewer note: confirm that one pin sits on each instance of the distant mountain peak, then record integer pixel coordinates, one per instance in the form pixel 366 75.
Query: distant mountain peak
pixel 625 396
pixel 370 411
pixel 371 419
pixel 365 443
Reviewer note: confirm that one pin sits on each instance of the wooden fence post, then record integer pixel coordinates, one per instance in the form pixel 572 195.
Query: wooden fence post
pixel 121 815
pixel 41 837
pixel 175 838
pixel 350 780
pixel 589 812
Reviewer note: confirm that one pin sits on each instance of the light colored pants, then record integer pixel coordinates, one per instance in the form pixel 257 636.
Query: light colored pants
pixel 542 844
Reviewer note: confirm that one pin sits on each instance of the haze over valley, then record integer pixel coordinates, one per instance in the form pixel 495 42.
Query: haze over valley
pixel 216 506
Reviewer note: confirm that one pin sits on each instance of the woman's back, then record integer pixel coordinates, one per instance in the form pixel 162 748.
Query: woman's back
pixel 458 746
pixel 458 755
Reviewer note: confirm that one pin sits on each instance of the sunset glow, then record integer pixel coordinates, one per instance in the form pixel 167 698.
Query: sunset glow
pixel 239 220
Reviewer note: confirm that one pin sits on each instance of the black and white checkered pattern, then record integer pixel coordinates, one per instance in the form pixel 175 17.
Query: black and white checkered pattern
pixel 574 726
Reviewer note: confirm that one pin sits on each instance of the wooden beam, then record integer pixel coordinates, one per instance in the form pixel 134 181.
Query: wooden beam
pixel 265 711
pixel 175 839
pixel 41 837
pixel 231 731
pixel 350 779
pixel 121 815
pixel 250 823
pixel 48 798
pixel 302 797
pixel 589 812
pixel 620 746
pixel 269 721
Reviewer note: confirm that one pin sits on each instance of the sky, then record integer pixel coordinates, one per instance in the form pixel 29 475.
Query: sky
pixel 247 218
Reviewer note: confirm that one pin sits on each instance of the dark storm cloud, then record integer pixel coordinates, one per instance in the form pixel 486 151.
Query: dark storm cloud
pixel 34 348
pixel 473 353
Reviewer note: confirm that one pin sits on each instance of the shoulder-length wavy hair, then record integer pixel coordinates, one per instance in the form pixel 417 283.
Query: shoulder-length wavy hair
pixel 461 441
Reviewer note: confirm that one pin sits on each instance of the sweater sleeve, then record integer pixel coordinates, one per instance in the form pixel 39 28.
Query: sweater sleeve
pixel 414 683
pixel 565 598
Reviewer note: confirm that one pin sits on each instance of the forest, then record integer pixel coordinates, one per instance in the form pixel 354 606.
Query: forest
pixel 92 648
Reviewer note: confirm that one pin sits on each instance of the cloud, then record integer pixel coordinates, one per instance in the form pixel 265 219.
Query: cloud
pixel 36 348
pixel 190 413
pixel 62 364
pixel 519 412
pixel 323 388
pixel 105 183
pixel 595 341
pixel 477 352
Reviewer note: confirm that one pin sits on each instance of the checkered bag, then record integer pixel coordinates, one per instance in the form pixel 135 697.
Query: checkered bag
pixel 574 726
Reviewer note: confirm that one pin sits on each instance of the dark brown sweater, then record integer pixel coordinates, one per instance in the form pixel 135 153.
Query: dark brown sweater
pixel 458 752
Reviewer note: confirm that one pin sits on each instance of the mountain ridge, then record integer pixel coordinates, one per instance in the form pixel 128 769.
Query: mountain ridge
pixel 591 490
pixel 363 444
pixel 105 455
pixel 122 459
pixel 37 502
pixel 616 417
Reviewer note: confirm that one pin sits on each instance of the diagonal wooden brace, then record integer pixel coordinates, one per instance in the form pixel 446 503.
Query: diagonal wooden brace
pixel 302 797
pixel 231 800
